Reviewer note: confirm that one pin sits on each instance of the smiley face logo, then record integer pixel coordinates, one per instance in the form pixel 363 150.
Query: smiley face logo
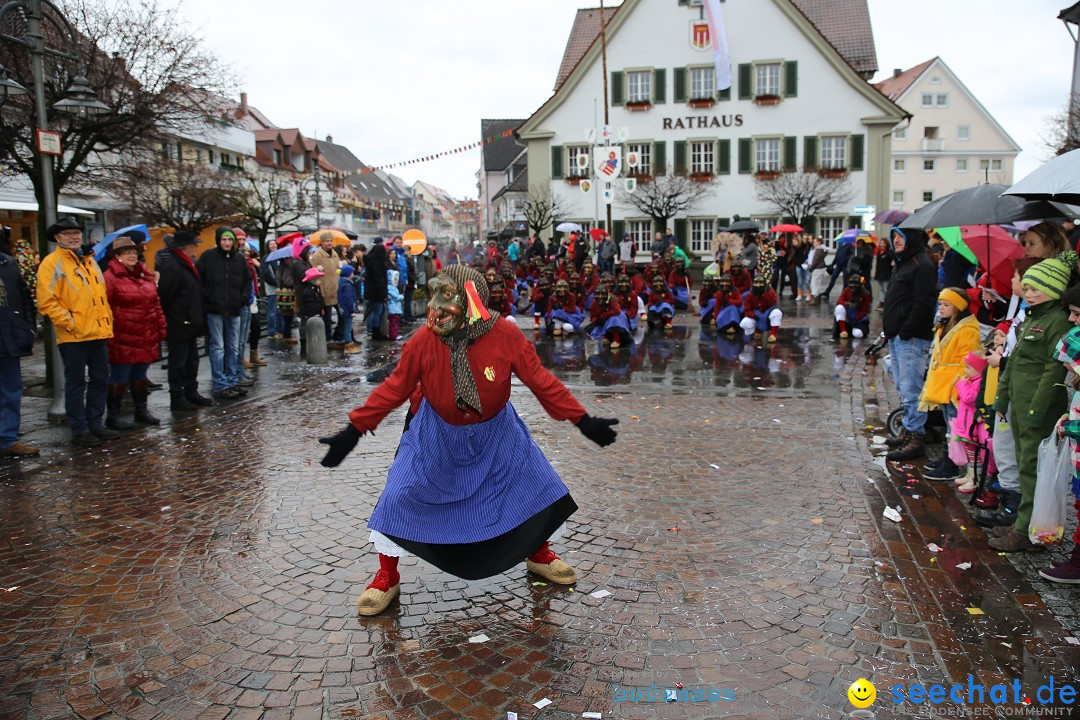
pixel 862 693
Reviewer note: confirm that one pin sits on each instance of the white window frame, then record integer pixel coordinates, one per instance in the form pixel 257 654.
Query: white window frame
pixel 930 193
pixel 936 80
pixel 963 169
pixel 897 197
pixel 926 100
pixel 644 152
pixel 641 232
pixel 932 167
pixel 703 156
pixel 984 164
pixel 999 163
pixel 941 99
pixel 831 226
pixel 639 85
pixel 963 133
pixel 899 165
pixel 900 133
pixel 572 170
pixel 762 80
pixel 704 80
pixel 836 157
pixel 702 232
pixel 759 147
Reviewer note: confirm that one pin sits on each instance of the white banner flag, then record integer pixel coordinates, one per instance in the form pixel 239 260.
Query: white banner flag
pixel 719 44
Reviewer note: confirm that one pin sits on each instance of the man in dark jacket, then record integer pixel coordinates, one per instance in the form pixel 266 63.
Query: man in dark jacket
pixel 908 323
pixel 181 299
pixel 16 342
pixel 226 286
pixel 375 293
pixel 844 253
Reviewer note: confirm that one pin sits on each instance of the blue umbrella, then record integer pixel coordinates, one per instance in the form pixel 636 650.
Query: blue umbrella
pixel 279 254
pixel 132 231
pixel 852 235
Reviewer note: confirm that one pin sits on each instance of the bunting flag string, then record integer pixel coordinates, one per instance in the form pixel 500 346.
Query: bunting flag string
pixel 428 158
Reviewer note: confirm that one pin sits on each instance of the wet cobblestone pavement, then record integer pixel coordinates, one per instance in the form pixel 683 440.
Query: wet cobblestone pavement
pixel 209 568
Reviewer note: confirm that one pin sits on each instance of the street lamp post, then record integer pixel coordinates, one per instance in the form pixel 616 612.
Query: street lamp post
pixel 80 99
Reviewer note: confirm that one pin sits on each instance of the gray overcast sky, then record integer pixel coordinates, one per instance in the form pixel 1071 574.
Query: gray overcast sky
pixel 397 80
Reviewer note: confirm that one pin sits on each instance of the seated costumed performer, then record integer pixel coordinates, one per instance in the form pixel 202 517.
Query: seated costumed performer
pixel 489 498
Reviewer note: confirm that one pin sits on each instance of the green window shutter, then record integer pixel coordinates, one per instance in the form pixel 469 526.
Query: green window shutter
pixel 680 85
pixel 745 81
pixel 854 221
pixel 857 142
pixel 684 2
pixel 810 225
pixel 723 222
pixel 659 158
pixel 791 78
pixel 809 158
pixel 681 166
pixel 681 234
pixel 617 88
pixel 618 229
pixel 600 224
pixel 556 161
pixel 788 219
pixel 724 94
pixel 746 159
pixel 723 166
pixel 790 160
pixel 659 85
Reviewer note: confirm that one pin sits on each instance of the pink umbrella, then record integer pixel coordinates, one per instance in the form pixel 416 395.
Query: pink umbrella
pixel 995 249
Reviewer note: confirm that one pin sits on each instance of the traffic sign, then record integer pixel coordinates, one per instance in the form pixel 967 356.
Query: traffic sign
pixel 864 210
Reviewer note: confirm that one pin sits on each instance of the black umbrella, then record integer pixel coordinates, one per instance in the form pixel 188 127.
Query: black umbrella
pixel 980 205
pixel 744 226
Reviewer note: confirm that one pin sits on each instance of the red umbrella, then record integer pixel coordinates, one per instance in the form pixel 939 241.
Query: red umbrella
pixel 995 249
pixel 786 228
pixel 597 234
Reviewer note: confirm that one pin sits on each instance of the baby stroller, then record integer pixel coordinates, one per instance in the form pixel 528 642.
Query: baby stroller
pixel 936 427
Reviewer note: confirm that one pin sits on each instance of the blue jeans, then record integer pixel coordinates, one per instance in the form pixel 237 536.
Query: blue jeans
pixel 11 389
pixel 803 276
pixel 373 312
pixel 84 401
pixel 908 368
pixel 224 340
pixel 127 372
pixel 346 328
pixel 242 337
pixel 273 317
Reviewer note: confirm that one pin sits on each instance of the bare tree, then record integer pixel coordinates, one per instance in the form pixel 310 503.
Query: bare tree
pixel 143 62
pixel 183 195
pixel 265 199
pixel 666 196
pixel 1062 131
pixel 543 209
pixel 803 194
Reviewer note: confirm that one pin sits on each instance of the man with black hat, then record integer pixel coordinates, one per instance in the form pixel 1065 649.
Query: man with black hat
pixel 181 299
pixel 71 293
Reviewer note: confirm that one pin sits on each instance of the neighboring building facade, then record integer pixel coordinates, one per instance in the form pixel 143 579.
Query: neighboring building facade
pixel 952 141
pixel 509 203
pixel 799 100
pixel 495 158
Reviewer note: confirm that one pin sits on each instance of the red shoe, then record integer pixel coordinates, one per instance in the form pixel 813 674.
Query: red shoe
pixel 987 499
pixel 380 593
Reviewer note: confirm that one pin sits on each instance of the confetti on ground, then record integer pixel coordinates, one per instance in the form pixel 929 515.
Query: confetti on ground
pixel 634 417
pixel 599 594
pixel 673 529
pixel 537 582
pixel 963 528
pixel 934 547
pixel 13 588
pixel 679 685
pixel 1008 645
pixel 915 496
pixel 714 466
pixel 1001 554
pixel 541 704
pixel 891 514
pixel 656 407
pixel 1072 641
pixel 871 481
pixel 817 521
pixel 933 559
pixel 707 420
pixel 481 638
pixel 511 715
pixel 592 715
pixel 964 566
pixel 775 420
pixel 166 508
pixel 975 611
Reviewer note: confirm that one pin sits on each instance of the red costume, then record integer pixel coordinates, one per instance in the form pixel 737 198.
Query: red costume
pixel 723 299
pixel 741 280
pixel 677 278
pixel 656 298
pixel 863 304
pixel 764 301
pixel 599 313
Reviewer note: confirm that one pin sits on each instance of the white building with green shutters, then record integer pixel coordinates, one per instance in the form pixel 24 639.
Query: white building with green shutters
pixel 800 101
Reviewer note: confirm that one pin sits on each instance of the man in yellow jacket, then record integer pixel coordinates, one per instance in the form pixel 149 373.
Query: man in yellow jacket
pixel 71 293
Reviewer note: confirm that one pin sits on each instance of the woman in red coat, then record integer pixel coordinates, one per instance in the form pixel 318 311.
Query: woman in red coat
pixel 138 327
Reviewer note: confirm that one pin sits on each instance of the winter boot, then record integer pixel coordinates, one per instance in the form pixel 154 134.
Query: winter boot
pixel 139 393
pixel 258 361
pixel 383 589
pixel 1005 515
pixel 910 450
pixel 192 395
pixel 547 565
pixel 1067 572
pixel 946 469
pixel 179 403
pixel 899 440
pixel 114 402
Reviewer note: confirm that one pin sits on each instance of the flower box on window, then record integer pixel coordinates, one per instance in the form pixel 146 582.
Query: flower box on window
pixel 767 100
pixel 640 177
pixel 766 174
pixel 833 172
pixel 638 105
pixel 574 180
pixel 701 176
pixel 702 102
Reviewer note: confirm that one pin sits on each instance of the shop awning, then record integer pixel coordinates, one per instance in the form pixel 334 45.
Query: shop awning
pixel 33 207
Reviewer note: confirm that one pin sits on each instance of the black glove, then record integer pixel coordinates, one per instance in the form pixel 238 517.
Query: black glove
pixel 340 445
pixel 598 429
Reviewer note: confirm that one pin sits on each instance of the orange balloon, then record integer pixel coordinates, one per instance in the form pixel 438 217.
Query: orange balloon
pixel 415 240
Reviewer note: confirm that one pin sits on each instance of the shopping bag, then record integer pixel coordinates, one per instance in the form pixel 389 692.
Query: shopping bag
pixel 1055 469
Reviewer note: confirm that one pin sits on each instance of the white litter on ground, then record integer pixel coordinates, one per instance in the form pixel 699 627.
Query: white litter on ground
pixel 599 594
pixel 541 704
pixel 964 566
pixel 511 715
pixel 1072 641
pixel 934 547
pixel 481 638
pixel 714 466
pixel 593 715
pixel 891 514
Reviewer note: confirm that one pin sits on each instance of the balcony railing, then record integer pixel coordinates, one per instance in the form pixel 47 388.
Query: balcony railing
pixel 933 145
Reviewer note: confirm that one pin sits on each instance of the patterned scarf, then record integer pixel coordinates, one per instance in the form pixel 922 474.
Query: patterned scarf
pixel 464 383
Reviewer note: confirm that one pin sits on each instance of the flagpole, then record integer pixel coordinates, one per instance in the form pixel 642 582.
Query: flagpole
pixel 607 121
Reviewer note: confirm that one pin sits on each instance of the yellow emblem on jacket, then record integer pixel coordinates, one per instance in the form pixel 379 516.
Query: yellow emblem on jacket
pixel 489 373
